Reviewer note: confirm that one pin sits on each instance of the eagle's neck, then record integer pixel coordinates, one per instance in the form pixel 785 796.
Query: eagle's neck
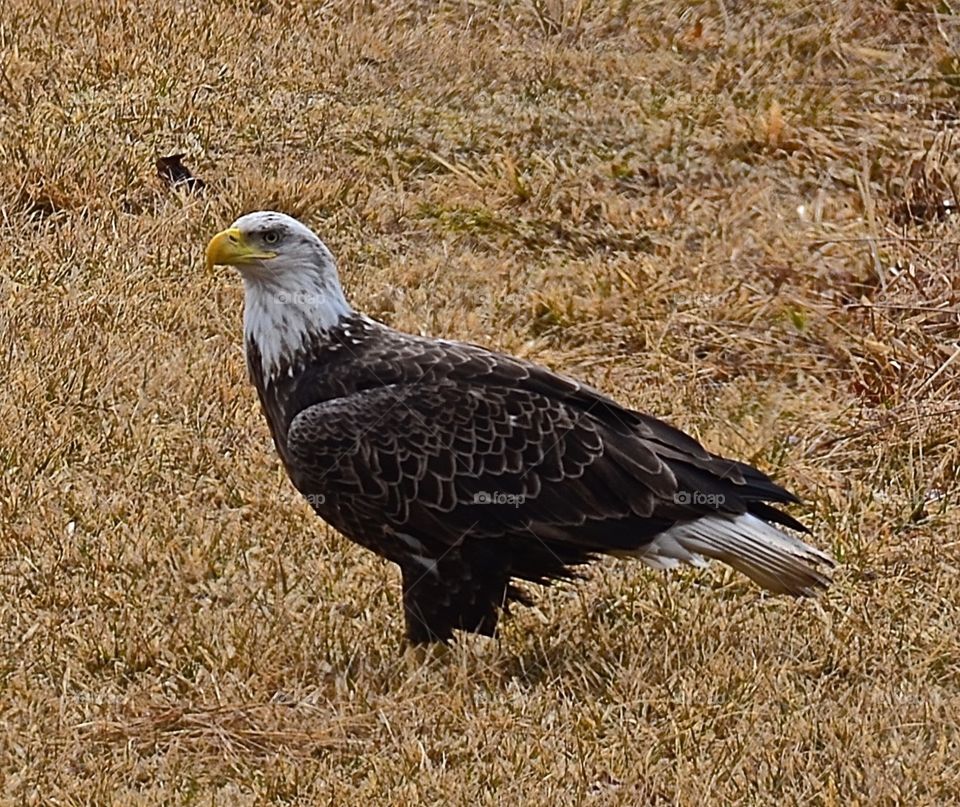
pixel 286 317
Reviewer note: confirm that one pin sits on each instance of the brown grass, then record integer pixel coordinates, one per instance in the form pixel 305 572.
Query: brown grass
pixel 735 215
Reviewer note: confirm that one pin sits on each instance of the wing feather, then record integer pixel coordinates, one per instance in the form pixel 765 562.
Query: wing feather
pixel 489 468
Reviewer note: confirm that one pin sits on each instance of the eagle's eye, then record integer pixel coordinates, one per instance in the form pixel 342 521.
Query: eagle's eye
pixel 271 237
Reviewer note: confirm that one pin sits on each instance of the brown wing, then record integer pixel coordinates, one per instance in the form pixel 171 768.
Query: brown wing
pixel 468 485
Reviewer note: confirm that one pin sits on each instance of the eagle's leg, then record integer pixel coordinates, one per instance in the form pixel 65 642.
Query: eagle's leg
pixel 450 594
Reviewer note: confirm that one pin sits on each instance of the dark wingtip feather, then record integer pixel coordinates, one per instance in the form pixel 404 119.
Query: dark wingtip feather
pixel 772 514
pixel 761 486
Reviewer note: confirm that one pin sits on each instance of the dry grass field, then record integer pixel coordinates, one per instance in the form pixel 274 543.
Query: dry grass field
pixel 734 215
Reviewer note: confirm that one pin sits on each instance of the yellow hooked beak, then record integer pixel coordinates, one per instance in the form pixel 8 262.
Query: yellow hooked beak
pixel 231 248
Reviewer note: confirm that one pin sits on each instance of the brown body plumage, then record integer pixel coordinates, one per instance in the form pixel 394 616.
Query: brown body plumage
pixel 471 469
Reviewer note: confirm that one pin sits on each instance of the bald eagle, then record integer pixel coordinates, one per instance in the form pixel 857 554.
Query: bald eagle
pixel 473 470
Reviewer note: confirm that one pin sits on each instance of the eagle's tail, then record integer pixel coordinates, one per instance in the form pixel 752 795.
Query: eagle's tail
pixel 777 561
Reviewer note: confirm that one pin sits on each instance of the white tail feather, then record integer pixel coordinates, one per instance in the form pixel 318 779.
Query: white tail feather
pixel 777 561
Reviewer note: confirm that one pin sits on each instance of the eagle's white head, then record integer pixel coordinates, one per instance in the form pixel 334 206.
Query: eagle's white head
pixel 293 293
